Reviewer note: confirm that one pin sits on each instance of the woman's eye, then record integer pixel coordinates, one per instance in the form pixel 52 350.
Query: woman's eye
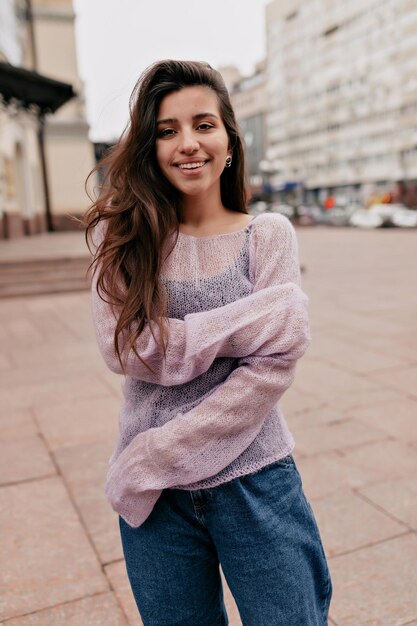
pixel 205 126
pixel 166 132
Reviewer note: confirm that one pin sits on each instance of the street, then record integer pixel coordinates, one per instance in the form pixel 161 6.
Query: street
pixel 352 410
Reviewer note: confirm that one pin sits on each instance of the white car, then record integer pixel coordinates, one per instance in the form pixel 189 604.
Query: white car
pixel 404 218
pixel 386 211
pixel 258 207
pixel 284 209
pixel 364 218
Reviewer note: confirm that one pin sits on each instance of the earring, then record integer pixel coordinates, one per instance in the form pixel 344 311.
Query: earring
pixel 228 161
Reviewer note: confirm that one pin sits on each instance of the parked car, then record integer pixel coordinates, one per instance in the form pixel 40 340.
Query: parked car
pixel 258 207
pixel 284 209
pixel 309 215
pixel 386 212
pixel 339 216
pixel 363 218
pixel 404 218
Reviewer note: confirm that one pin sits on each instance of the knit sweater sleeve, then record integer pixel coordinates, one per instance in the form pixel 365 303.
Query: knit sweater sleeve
pixel 234 330
pixel 203 441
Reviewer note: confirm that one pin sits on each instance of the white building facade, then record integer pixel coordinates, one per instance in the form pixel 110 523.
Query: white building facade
pixel 45 153
pixel 248 96
pixel 21 192
pixel 342 93
pixel 69 152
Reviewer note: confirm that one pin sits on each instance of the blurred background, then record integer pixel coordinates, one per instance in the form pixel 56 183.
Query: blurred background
pixel 325 92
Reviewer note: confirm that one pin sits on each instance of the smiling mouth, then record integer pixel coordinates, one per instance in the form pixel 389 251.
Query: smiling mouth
pixel 191 166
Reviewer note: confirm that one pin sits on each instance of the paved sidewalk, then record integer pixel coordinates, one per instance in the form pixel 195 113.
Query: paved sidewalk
pixel 353 411
pixel 69 244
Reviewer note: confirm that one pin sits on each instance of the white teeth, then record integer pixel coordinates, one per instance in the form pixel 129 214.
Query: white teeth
pixel 190 166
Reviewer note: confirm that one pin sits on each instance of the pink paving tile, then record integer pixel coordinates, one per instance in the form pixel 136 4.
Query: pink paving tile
pixel 16 425
pixel 346 355
pixel 398 419
pixel 116 573
pixel 24 459
pixel 369 336
pixel 99 610
pixel 397 497
pixel 50 326
pixel 330 381
pixel 75 313
pixel 112 380
pixel 84 468
pixel 10 308
pixel 343 390
pixel 405 343
pixel 297 401
pixel 316 417
pixel 401 343
pixel 51 353
pixel 325 474
pixel 82 421
pixel 392 458
pixel 403 379
pixel 362 397
pixel 43 305
pixel 49 558
pixel 5 363
pixel 335 436
pixel 4 337
pixel 23 332
pixel 47 371
pixel 376 585
pixel 361 324
pixel 43 247
pixel 347 523
pixel 394 342
pixel 53 391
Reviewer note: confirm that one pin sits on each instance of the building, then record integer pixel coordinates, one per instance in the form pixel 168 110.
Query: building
pixel 69 152
pixel 342 95
pixel 22 197
pixel 45 155
pixel 248 97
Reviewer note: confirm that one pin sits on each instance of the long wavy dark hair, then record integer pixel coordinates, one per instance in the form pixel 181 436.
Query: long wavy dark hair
pixel 139 207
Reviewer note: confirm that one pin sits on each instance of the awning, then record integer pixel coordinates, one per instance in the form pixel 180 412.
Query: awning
pixel 30 88
pixel 288 186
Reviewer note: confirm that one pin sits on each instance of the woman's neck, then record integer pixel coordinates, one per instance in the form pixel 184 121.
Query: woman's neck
pixel 199 211
pixel 206 215
pixel 202 221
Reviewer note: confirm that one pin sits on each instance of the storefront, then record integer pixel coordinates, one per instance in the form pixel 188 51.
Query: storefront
pixel 27 97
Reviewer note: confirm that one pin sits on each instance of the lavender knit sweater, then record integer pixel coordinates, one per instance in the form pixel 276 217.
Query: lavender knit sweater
pixel 237 325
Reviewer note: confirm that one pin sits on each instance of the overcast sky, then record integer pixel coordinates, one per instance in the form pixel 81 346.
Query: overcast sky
pixel 117 39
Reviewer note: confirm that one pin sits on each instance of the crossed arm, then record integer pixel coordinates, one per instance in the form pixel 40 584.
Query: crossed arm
pixel 203 441
pixel 235 330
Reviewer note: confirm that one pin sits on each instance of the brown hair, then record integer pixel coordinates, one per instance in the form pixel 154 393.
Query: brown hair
pixel 140 207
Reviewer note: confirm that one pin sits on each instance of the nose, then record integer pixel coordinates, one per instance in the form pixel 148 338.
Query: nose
pixel 189 142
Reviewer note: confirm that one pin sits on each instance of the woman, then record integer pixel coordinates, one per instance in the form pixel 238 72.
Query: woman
pixel 200 307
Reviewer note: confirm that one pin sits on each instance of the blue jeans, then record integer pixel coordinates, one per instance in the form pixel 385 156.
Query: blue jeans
pixel 262 531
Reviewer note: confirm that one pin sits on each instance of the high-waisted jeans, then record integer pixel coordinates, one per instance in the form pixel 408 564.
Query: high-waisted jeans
pixel 262 531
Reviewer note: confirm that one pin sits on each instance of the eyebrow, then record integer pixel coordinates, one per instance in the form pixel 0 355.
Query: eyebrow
pixel 197 116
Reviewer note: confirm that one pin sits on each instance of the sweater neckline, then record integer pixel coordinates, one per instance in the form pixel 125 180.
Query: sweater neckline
pixel 217 235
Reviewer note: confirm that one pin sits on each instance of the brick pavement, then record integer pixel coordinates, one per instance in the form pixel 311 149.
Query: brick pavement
pixel 353 410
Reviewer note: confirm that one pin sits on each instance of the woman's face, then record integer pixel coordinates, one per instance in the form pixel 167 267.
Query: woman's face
pixel 192 142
